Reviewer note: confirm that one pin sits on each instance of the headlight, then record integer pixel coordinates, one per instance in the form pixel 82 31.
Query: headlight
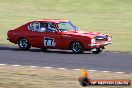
pixel 93 40
pixel 109 38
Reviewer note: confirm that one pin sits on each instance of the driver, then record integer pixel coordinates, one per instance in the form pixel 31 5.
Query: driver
pixel 50 27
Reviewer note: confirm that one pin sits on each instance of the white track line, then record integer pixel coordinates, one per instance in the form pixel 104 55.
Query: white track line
pixel 77 69
pixel 2 64
pixel 47 67
pixel 120 72
pixel 105 71
pixel 33 66
pixel 15 65
pixel 92 70
pixel 62 68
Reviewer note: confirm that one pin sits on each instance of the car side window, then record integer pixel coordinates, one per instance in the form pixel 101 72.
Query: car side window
pixel 48 27
pixel 34 26
pixel 31 27
pixel 42 27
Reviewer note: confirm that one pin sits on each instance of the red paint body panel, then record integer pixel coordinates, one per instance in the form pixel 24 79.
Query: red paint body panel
pixel 61 40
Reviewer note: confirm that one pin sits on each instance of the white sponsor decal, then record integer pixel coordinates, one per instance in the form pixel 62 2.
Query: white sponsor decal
pixel 49 41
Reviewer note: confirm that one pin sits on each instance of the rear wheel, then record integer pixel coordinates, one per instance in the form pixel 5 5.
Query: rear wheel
pixel 24 44
pixel 77 47
pixel 97 51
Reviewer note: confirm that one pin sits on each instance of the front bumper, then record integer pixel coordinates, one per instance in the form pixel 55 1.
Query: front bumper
pixel 99 44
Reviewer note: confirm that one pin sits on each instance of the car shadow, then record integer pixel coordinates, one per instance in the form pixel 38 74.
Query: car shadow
pixel 39 50
pixel 9 48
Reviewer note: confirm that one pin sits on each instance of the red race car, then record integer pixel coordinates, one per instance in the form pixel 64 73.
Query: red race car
pixel 57 34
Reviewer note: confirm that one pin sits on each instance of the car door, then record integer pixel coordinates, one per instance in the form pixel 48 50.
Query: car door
pixel 51 37
pixel 34 34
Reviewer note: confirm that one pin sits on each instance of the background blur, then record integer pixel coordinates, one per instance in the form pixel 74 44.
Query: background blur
pixel 108 16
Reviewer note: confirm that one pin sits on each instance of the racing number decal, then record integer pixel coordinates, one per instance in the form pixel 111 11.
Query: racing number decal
pixel 49 41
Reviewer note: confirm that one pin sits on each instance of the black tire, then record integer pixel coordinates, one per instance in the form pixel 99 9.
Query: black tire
pixel 85 82
pixel 24 44
pixel 77 48
pixel 99 50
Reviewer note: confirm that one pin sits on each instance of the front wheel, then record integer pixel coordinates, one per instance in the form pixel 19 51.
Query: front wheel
pixel 97 51
pixel 77 48
pixel 24 44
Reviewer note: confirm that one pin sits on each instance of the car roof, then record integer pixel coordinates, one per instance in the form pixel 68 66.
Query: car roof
pixel 53 20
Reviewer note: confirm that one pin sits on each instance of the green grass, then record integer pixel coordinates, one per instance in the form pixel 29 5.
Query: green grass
pixel 26 77
pixel 108 16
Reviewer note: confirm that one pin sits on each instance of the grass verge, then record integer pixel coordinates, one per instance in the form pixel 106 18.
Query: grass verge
pixel 26 77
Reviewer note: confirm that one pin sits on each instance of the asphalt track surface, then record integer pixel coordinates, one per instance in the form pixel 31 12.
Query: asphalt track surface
pixel 105 61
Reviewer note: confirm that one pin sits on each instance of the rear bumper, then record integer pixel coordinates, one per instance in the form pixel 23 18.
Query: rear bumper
pixel 8 39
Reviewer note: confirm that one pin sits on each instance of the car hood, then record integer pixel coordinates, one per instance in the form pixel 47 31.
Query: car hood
pixel 82 33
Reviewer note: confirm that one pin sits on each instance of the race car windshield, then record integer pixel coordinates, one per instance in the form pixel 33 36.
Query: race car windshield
pixel 66 26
